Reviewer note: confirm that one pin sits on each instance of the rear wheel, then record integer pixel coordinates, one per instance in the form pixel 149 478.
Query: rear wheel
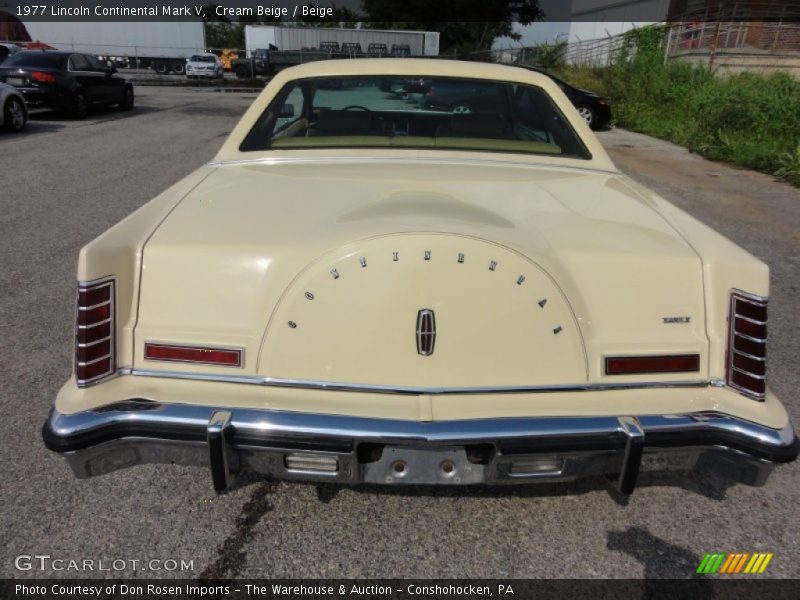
pixel 80 106
pixel 14 115
pixel 179 68
pixel 160 68
pixel 127 99
pixel 587 114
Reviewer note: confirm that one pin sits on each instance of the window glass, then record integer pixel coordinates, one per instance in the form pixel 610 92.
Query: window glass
pixel 415 112
pixel 35 59
pixel 95 63
pixel 78 62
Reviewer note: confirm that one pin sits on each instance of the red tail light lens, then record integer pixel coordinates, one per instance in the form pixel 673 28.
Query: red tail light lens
pixel 43 77
pixel 640 365
pixel 747 345
pixel 94 332
pixel 223 357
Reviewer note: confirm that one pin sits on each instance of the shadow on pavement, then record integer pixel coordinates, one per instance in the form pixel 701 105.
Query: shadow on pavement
pixel 661 559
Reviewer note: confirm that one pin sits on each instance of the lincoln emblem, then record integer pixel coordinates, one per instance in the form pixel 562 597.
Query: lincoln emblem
pixel 426 332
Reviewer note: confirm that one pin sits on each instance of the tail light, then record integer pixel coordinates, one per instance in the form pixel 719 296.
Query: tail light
pixel 41 77
pixel 747 345
pixel 94 332
pixel 207 355
pixel 640 365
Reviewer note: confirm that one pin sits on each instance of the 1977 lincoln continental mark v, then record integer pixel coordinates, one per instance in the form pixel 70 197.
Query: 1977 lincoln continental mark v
pixel 357 289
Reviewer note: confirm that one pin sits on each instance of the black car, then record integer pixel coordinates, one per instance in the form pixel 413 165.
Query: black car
pixel 592 107
pixel 460 96
pixel 66 81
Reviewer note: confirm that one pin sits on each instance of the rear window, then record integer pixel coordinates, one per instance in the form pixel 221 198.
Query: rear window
pixel 35 59
pixel 415 112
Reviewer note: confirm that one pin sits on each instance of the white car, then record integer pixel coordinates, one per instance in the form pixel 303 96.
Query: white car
pixel 14 113
pixel 204 65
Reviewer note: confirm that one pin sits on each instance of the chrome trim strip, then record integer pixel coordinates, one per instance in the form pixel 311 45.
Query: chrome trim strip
pixel 750 337
pixel 750 296
pixel 410 159
pixel 91 362
pixel 89 286
pixel 745 354
pixel 90 344
pixel 91 325
pixel 386 389
pixel 84 308
pixel 754 321
pixel 748 373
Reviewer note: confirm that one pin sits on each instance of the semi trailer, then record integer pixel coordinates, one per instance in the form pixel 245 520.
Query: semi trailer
pixel 270 49
pixel 160 46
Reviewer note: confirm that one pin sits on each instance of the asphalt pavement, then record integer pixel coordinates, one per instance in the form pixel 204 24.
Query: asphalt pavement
pixel 64 182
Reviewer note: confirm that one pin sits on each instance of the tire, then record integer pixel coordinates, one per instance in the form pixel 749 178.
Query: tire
pixel 127 98
pixel 242 72
pixel 587 114
pixel 80 106
pixel 160 68
pixel 179 68
pixel 461 109
pixel 14 115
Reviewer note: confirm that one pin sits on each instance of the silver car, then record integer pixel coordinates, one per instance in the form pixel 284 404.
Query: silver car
pixel 204 65
pixel 14 113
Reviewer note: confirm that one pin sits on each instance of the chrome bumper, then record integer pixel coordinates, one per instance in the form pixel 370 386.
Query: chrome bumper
pixel 350 450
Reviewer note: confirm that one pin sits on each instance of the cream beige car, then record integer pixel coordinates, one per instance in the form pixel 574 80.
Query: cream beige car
pixel 357 290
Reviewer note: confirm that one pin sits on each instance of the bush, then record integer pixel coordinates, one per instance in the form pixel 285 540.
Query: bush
pixel 748 119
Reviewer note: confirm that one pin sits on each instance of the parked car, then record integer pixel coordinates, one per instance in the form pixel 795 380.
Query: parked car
pixel 591 106
pixel 7 50
pixel 461 96
pixel 357 290
pixel 66 81
pixel 204 65
pixel 13 112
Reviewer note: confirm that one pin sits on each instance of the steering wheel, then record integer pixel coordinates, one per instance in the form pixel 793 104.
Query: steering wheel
pixel 356 107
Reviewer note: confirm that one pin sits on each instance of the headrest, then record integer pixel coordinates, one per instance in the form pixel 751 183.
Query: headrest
pixel 343 122
pixel 480 126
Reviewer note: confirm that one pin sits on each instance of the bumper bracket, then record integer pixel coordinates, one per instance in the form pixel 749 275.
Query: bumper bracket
pixel 219 426
pixel 632 457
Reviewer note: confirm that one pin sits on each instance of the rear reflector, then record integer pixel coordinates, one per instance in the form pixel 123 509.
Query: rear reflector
pixel 94 332
pixel 205 355
pixel 320 463
pixel 639 365
pixel 746 364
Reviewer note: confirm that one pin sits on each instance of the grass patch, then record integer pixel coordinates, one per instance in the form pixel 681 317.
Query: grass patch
pixel 749 119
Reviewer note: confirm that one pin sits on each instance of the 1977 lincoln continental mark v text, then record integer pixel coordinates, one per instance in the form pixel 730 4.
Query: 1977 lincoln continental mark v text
pixel 360 289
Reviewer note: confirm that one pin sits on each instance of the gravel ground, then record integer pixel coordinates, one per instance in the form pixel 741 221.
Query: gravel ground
pixel 64 182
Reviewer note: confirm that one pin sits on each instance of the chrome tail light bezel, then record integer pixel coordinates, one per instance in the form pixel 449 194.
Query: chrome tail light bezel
pixel 756 344
pixel 88 290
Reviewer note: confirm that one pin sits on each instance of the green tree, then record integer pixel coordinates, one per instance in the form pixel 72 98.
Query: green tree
pixel 465 26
